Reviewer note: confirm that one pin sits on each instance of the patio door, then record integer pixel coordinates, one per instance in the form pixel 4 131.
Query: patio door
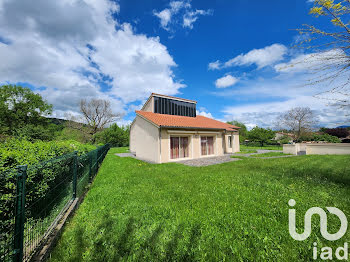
pixel 207 145
pixel 178 147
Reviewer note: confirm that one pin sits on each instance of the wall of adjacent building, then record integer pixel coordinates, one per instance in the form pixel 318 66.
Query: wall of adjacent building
pixel 144 140
pixel 317 149
pixel 328 149
pixel 235 142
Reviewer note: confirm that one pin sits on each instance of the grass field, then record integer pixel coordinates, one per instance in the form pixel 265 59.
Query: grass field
pixel 236 211
pixel 268 147
pixel 270 154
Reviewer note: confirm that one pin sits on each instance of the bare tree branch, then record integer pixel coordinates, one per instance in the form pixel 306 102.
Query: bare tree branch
pixel 97 113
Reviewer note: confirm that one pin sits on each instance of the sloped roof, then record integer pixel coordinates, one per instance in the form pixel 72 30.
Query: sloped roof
pixel 185 121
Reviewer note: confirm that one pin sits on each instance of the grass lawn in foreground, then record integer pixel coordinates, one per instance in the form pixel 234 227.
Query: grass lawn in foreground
pixel 236 211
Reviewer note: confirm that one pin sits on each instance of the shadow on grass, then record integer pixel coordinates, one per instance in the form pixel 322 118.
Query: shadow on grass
pixel 105 246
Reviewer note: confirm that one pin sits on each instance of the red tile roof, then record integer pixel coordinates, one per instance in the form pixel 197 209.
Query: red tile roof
pixel 185 121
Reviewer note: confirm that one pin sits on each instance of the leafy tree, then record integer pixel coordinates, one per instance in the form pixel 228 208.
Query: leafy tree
pixel 261 135
pixel 284 140
pixel 242 131
pixel 115 135
pixel 298 120
pixel 318 137
pixel 338 132
pixel 19 106
pixel 331 63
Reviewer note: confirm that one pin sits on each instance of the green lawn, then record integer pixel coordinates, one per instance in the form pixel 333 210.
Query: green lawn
pixel 235 211
pixel 268 147
pixel 270 154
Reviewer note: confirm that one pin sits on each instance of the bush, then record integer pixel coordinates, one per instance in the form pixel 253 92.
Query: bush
pixel 114 135
pixel 17 151
pixel 284 140
pixel 338 132
pixel 39 132
pixel 318 137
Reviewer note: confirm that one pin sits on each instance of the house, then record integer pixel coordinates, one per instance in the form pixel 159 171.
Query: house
pixel 280 135
pixel 168 129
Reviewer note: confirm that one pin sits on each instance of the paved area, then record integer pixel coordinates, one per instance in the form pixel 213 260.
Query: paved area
pixel 258 151
pixel 207 161
pixel 125 154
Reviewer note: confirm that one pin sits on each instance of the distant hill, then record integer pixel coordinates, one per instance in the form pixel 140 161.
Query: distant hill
pixel 342 126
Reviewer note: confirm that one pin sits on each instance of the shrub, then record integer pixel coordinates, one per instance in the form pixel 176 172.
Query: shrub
pixel 17 151
pixel 338 132
pixel 40 178
pixel 114 135
pixel 318 137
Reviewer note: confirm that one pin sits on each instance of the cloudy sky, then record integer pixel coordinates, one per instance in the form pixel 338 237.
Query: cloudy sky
pixel 232 57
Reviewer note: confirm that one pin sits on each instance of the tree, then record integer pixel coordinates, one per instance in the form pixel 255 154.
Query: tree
pixel 114 135
pixel 332 61
pixel 97 113
pixel 20 106
pixel 338 132
pixel 298 120
pixel 242 131
pixel 261 135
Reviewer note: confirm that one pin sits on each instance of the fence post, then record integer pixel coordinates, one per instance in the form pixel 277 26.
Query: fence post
pixel 96 161
pixel 75 173
pixel 20 213
pixel 90 167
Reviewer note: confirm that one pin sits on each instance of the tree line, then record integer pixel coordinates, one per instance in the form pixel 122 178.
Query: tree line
pixel 26 115
pixel 297 124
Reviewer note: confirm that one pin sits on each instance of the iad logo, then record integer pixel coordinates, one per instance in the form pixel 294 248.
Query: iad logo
pixel 323 222
pixel 326 252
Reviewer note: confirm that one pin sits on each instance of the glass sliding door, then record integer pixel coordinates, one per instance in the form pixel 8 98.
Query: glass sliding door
pixel 178 147
pixel 207 145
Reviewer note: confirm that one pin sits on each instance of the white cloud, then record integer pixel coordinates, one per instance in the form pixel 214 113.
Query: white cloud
pixel 191 16
pixel 214 65
pixel 262 57
pixel 74 49
pixel 226 81
pixel 276 96
pixel 165 17
pixel 177 9
pixel 204 112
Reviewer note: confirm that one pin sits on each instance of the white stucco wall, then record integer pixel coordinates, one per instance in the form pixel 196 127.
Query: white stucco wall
pixel 317 149
pixel 149 105
pixel 144 140
pixel 290 149
pixel 328 149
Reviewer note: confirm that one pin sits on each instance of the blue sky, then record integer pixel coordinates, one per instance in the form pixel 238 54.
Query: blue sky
pixel 233 57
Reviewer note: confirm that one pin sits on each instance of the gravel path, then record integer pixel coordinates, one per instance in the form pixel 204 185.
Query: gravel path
pixel 125 155
pixel 207 161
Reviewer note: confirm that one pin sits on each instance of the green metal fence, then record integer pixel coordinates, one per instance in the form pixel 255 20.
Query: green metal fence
pixel 32 199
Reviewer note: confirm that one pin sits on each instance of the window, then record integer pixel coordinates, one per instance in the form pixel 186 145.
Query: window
pixel 230 141
pixel 178 147
pixel 207 145
pixel 174 107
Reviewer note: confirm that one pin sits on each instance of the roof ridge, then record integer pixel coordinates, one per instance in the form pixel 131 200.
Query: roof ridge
pixel 185 121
